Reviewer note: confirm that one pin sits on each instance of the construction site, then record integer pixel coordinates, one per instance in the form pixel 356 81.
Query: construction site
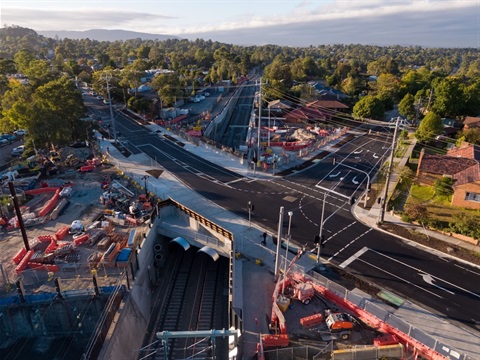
pixel 94 265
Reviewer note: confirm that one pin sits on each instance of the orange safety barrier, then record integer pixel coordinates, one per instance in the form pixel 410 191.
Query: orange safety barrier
pixel 50 204
pixel 41 190
pixel 45 238
pixel 61 233
pixel 312 320
pixel 19 256
pixel 34 265
pixel 270 341
pixel 23 264
pixel 87 168
pixel 81 239
pixel 52 247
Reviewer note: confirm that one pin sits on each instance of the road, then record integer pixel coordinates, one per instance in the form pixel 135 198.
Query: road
pixel 443 285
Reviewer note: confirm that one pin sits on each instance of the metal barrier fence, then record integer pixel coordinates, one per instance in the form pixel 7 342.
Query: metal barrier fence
pixel 390 319
pixel 299 352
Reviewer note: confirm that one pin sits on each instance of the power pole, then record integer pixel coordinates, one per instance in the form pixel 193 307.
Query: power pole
pixel 390 166
pixel 259 118
pixel 112 118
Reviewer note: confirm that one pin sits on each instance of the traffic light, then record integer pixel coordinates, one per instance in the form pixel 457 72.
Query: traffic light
pixel 322 241
pixel 352 200
pixel 251 207
pixel 316 239
pixel 369 187
pixel 379 200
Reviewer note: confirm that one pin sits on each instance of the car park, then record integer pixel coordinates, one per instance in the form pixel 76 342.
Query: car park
pixel 19 150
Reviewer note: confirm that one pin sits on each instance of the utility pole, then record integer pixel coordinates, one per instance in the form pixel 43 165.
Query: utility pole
pixel 19 215
pixel 107 78
pixel 430 99
pixel 390 166
pixel 259 117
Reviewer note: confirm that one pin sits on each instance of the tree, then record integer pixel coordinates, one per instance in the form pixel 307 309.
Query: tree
pixel 444 186
pixel 471 136
pixel 449 97
pixel 406 107
pixel 369 107
pixel 466 224
pixel 429 127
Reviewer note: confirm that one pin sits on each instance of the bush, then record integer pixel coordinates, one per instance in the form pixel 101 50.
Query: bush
pixel 465 224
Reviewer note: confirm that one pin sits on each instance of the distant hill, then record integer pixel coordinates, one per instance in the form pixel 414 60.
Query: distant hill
pixel 105 35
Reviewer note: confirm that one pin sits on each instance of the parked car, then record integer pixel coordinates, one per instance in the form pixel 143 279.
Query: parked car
pixel 9 137
pixel 19 150
pixel 106 102
pixel 20 132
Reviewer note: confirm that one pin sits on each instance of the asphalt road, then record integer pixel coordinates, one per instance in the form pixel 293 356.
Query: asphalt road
pixel 444 285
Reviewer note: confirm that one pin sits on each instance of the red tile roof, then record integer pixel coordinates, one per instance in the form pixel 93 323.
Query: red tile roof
pixel 471 122
pixel 327 104
pixel 463 170
pixel 468 151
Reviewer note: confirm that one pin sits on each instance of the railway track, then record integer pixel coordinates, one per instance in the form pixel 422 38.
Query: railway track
pixel 193 297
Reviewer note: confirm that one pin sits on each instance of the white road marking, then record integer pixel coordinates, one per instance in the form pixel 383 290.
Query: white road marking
pixel 354 180
pixel 350 243
pixel 376 156
pixel 353 257
pixel 433 277
pixel 335 175
pixel 429 280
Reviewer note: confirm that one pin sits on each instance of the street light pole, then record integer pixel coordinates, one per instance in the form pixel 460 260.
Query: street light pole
pixel 288 237
pixel 320 233
pixel 279 241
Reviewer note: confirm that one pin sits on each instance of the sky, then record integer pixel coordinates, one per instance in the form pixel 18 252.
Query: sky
pixel 427 23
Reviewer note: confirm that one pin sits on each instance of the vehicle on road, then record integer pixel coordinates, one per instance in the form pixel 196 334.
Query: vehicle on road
pixel 106 102
pixel 19 150
pixel 100 97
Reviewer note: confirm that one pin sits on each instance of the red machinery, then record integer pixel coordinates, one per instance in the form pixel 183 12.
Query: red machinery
pixel 285 289
pixel 339 323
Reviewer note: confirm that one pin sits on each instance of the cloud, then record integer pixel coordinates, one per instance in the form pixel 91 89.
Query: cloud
pixel 442 23
pixel 78 19
pixel 453 27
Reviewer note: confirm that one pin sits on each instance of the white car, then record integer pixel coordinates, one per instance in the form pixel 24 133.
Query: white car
pixel 19 150
pixel 20 132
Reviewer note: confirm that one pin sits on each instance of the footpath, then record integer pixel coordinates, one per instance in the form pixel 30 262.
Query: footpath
pixel 253 283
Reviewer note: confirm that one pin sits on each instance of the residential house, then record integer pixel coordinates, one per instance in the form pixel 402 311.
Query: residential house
pixel 462 165
pixel 305 115
pixel 471 122
pixel 328 107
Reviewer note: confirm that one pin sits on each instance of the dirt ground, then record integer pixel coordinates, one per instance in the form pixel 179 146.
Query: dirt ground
pixel 84 206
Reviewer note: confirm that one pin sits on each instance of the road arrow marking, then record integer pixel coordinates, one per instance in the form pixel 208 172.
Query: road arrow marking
pixel 355 181
pixel 429 280
pixel 358 152
pixel 335 175
pixel 376 156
